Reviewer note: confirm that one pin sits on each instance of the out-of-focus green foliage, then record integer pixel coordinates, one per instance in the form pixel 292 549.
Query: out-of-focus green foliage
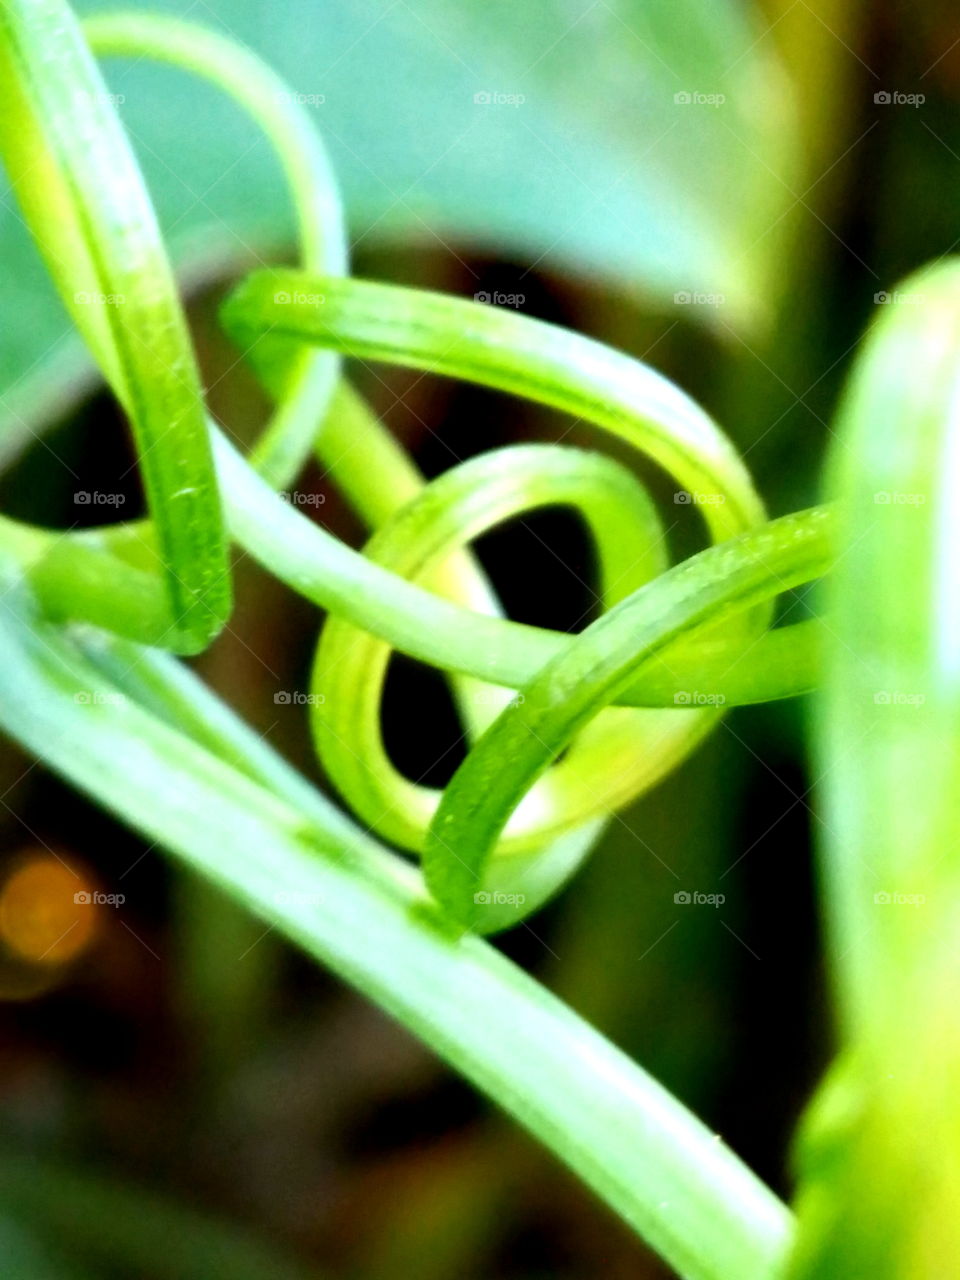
pixel 597 170
pixel 105 1226
pixel 880 1192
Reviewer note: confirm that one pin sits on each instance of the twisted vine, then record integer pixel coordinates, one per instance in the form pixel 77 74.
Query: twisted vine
pixel 615 701
pixel 500 832
pixel 562 729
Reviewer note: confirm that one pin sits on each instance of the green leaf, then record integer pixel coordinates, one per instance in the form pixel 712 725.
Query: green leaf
pixel 597 172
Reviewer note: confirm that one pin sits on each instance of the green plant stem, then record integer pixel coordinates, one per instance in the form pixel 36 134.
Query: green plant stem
pixel 568 692
pixel 224 1000
pixel 880 1156
pixel 513 353
pixel 317 566
pixel 79 188
pixel 352 907
pixel 351 665
pixel 308 377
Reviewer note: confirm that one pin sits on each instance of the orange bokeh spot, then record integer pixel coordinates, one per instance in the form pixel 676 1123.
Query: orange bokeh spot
pixel 46 913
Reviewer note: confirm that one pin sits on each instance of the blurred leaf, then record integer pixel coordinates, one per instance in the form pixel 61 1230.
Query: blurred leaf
pixel 113 1225
pixel 22 1255
pixel 597 170
pixel 880 1156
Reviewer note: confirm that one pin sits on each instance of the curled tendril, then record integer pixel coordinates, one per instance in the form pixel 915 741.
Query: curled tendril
pixel 613 759
pixel 351 664
pixel 509 825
